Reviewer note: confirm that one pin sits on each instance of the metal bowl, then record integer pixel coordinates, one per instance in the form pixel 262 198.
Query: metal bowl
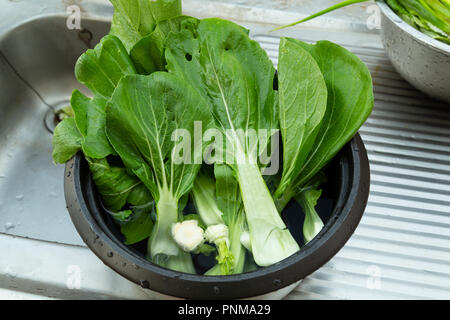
pixel 423 61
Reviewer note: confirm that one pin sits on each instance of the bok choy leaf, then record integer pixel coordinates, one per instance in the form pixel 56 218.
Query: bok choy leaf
pixel 66 141
pixel 141 121
pixel 302 105
pixel 235 76
pixel 349 104
pixel 133 20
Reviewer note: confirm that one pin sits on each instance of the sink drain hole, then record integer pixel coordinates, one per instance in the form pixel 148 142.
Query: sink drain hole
pixel 52 118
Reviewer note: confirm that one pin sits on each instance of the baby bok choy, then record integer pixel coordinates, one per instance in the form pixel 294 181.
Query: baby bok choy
pixel 100 70
pixel 220 208
pixel 307 198
pixel 142 119
pixel 217 232
pixel 321 113
pixel 235 77
pixel 170 94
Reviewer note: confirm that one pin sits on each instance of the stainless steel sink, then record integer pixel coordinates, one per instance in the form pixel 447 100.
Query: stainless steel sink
pixel 400 249
pixel 36 77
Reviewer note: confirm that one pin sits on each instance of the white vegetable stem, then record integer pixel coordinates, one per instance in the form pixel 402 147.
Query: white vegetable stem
pixel 203 194
pixel 312 225
pixel 216 233
pixel 188 235
pixel 271 241
pixel 245 240
pixel 163 249
pixel 167 215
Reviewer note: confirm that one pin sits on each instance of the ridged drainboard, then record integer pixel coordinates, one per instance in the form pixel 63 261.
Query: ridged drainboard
pixel 401 247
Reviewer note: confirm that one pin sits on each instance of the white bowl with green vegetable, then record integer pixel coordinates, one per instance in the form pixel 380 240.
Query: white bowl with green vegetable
pixel 421 56
pixel 340 207
pixel 168 176
pixel 416 36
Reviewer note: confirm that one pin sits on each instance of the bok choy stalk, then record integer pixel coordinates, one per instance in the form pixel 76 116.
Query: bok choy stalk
pixel 219 204
pixel 307 198
pixel 142 118
pixel 230 203
pixel 235 76
pixel 203 194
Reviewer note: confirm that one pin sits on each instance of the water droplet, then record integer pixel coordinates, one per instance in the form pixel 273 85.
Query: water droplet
pixel 10 273
pixel 9 226
pixel 110 254
pixel 53 195
pixel 145 284
pixel 277 282
pixel 216 290
pixel 20 197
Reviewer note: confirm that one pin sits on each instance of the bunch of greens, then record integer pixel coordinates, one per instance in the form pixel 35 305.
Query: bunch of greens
pixel 432 17
pixel 159 82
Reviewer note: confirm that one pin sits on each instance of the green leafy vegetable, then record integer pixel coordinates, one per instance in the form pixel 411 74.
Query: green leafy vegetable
pixel 148 53
pixel 349 104
pixel 432 17
pixel 315 15
pixel 66 141
pixel 116 186
pixel 142 117
pixel 303 101
pixel 230 202
pixel 204 198
pixel 90 119
pixel 101 68
pixel 133 20
pixel 307 198
pixel 159 81
pixel 138 225
pixel 218 202
pixel 203 194
pixel 205 249
pixel 235 76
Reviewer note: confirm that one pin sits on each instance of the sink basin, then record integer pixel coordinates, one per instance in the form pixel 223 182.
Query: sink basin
pixel 37 60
